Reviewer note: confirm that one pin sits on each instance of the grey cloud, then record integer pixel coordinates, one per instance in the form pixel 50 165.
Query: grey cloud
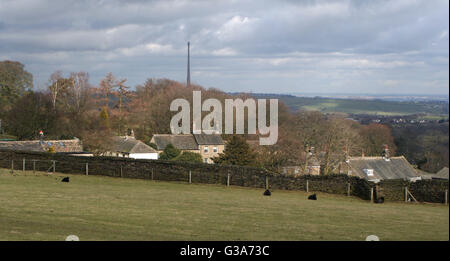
pixel 247 45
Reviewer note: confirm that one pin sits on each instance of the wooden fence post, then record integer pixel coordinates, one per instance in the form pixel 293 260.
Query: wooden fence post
pixel 12 166
pixel 190 177
pixel 307 185
pixel 406 194
pixel 267 182
pixel 348 189
pixel 371 194
pixel 152 173
pixel 87 169
pixel 34 166
pixel 446 196
pixel 54 166
pixel 228 178
pixel 121 171
pixel 23 165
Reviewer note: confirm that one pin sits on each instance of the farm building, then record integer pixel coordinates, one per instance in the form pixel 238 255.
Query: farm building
pixel 207 145
pixel 379 168
pixel 442 174
pixel 130 147
pixel 58 146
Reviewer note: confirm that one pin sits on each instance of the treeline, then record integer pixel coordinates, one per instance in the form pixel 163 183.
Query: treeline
pixel 72 106
pixel 426 146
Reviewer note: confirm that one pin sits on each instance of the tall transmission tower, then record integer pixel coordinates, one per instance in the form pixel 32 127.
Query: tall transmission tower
pixel 188 82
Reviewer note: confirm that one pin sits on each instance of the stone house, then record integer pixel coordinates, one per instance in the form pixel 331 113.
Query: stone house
pixel 207 145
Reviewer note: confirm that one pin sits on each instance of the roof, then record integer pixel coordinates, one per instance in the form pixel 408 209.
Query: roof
pixel 180 141
pixel 130 145
pixel 60 146
pixel 443 173
pixel 208 139
pixel 394 168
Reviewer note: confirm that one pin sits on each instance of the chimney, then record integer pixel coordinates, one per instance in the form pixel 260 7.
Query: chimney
pixel 386 154
pixel 41 135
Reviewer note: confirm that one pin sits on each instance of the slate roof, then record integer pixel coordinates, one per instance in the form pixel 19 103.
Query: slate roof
pixel 443 173
pixel 208 139
pixel 395 168
pixel 60 146
pixel 130 145
pixel 180 141
pixel 425 175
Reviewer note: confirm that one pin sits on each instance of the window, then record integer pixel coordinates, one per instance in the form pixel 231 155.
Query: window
pixel 206 160
pixel 206 149
pixel 369 172
pixel 215 149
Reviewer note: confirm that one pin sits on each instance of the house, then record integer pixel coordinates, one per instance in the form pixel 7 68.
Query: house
pixel 57 146
pixel 130 147
pixel 312 166
pixel 207 145
pixel 210 146
pixel 379 168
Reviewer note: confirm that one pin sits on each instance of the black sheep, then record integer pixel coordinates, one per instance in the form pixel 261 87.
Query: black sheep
pixel 379 200
pixel 66 179
pixel 267 193
pixel 312 197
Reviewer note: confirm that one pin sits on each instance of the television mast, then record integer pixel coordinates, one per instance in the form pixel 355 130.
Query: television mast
pixel 188 84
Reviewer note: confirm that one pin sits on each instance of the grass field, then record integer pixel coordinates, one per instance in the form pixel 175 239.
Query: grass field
pixel 41 207
pixel 359 106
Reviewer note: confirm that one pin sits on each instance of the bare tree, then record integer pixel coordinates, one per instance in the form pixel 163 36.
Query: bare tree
pixel 79 89
pixel 54 86
pixel 107 86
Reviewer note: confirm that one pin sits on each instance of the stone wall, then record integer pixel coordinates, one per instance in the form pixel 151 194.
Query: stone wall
pixel 215 174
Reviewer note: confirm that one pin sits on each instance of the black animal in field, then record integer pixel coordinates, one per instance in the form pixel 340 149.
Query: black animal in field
pixel 379 200
pixel 312 197
pixel 267 193
pixel 66 179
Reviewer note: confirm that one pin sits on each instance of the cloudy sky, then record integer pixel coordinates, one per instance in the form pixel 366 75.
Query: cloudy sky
pixel 279 46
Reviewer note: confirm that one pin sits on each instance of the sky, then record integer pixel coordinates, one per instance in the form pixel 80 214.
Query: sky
pixel 260 46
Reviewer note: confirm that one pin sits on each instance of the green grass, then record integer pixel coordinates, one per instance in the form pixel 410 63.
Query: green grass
pixel 41 207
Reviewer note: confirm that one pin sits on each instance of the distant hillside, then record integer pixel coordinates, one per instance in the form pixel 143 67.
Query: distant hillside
pixel 359 106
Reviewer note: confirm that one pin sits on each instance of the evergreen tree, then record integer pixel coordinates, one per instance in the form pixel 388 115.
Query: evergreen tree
pixel 104 118
pixel 237 152
pixel 170 152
